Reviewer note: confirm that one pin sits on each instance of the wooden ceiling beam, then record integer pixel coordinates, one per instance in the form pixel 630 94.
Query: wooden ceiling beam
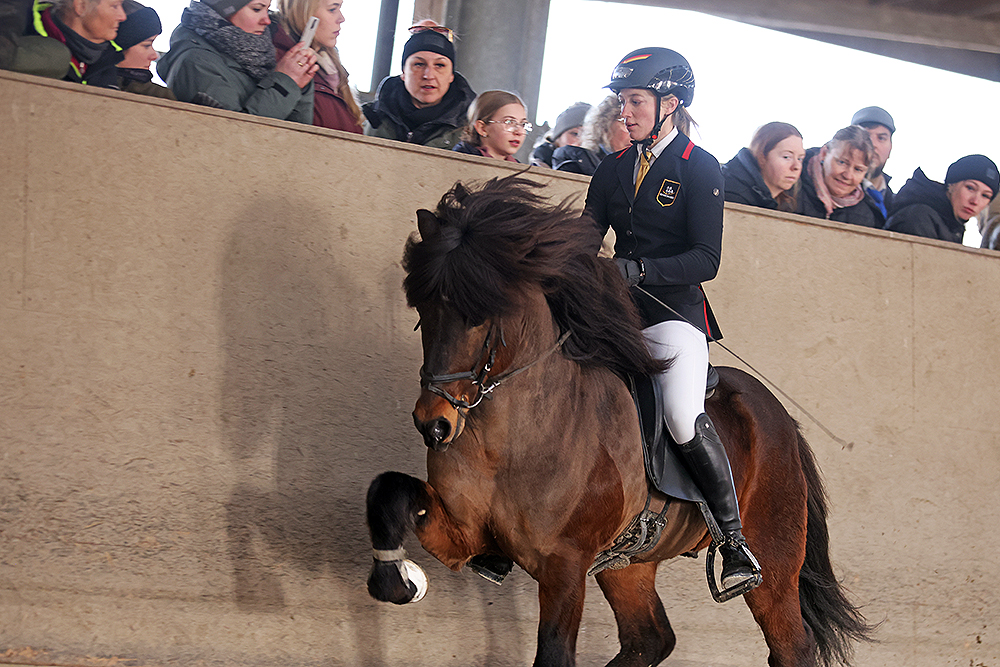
pixel 854 19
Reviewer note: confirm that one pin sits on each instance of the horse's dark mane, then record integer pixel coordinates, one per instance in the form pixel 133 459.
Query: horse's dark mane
pixel 492 243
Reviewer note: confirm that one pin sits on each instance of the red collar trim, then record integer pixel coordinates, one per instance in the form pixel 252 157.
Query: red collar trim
pixel 687 151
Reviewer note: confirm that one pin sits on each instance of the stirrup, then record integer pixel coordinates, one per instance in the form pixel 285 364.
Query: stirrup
pixel 494 568
pixel 734 540
pixel 744 586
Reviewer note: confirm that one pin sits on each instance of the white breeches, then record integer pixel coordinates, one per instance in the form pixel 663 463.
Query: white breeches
pixel 683 384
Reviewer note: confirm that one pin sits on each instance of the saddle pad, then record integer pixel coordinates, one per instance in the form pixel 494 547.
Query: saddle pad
pixel 663 468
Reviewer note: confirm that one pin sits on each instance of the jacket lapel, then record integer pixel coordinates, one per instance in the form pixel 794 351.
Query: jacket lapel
pixel 626 165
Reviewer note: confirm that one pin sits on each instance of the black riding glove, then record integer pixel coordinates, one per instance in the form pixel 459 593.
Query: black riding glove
pixel 632 272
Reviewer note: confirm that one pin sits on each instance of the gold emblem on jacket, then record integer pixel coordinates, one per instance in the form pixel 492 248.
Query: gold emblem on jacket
pixel 668 193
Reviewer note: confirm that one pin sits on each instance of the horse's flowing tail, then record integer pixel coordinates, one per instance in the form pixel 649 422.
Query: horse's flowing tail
pixel 834 621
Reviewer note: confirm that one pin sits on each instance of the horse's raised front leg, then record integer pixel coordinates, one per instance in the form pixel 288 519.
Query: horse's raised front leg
pixel 644 632
pixel 397 503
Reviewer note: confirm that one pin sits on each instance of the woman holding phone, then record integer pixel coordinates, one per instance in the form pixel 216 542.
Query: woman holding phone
pixel 221 55
pixel 334 106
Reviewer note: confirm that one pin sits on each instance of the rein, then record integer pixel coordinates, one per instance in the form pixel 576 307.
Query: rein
pixel 482 379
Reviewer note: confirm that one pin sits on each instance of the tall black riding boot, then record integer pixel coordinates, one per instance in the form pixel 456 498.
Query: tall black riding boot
pixel 708 464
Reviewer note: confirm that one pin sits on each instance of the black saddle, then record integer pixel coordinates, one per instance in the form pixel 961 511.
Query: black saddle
pixel 666 472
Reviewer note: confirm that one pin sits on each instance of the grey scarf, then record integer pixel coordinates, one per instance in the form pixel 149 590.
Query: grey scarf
pixel 254 53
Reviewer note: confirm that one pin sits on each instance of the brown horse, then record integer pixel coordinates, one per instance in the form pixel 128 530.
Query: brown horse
pixel 550 470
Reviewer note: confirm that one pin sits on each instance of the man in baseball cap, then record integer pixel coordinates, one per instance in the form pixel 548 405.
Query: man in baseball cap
pixel 880 128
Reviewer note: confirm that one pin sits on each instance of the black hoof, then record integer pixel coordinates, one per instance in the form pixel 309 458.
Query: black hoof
pixel 491 567
pixel 386 584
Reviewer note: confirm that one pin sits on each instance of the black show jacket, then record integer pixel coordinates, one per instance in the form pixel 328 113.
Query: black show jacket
pixel 674 224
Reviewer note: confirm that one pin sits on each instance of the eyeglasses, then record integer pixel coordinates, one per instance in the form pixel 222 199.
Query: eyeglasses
pixel 440 29
pixel 512 125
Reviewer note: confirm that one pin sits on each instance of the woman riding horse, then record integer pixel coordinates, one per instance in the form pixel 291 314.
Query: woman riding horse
pixel 515 306
pixel 664 198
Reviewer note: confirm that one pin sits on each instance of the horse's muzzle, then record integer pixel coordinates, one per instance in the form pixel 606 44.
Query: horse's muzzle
pixel 436 432
pixel 437 420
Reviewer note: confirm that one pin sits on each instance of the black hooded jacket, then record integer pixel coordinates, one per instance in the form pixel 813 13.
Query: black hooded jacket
pixel 744 182
pixel 578 160
pixel 921 208
pixel 865 213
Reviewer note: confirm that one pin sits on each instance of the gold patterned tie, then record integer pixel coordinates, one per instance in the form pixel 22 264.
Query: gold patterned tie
pixel 643 168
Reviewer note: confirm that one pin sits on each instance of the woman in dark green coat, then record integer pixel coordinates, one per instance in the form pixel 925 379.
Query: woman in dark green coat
pixel 222 55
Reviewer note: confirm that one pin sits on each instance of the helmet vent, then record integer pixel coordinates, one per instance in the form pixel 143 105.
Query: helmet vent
pixel 621 72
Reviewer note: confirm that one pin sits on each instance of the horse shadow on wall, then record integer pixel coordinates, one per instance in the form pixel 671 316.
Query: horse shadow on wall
pixel 316 401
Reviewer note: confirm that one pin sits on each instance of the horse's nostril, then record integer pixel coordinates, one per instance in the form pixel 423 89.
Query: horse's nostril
pixel 439 429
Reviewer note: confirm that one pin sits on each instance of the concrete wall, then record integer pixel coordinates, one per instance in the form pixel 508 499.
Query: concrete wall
pixel 206 356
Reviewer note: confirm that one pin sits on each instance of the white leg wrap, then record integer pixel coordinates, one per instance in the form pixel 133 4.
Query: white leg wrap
pixel 389 555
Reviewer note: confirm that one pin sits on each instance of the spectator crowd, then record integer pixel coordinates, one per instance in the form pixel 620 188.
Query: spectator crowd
pixel 238 55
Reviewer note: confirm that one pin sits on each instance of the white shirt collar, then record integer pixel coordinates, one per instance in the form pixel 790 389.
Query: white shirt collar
pixel 660 145
pixel 656 150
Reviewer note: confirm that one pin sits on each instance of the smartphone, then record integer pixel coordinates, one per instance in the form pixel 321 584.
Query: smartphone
pixel 310 31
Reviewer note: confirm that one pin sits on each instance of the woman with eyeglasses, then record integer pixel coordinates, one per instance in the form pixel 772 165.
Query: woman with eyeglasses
pixel 427 103
pixel 334 106
pixel 497 126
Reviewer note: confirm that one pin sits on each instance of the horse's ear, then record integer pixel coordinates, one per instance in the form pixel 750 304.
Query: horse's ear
pixel 427 223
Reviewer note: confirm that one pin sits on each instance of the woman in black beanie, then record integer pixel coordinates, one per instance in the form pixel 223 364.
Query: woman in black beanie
pixel 923 207
pixel 428 102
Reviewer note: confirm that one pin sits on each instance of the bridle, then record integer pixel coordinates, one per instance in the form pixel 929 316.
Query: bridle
pixel 493 342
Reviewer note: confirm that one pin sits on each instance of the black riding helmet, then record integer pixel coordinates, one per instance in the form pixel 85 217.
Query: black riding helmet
pixel 661 71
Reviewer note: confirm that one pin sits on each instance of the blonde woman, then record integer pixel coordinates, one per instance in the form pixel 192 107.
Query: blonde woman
pixel 923 207
pixel 604 133
pixel 497 126
pixel 833 180
pixel 334 105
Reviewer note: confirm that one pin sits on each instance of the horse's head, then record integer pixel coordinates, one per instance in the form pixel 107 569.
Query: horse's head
pixel 497 276
pixel 459 358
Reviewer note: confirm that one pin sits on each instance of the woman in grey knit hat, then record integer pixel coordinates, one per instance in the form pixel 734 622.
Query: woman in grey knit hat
pixel 568 131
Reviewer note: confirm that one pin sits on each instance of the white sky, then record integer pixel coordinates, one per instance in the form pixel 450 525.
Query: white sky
pixel 746 76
